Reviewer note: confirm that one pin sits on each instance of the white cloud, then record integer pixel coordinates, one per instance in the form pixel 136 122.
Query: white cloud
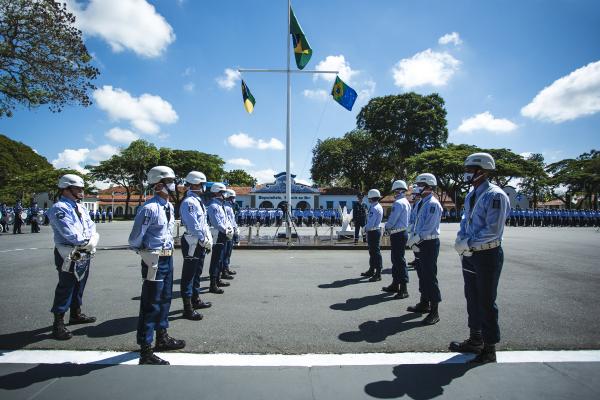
pixel 188 71
pixel 240 162
pixel 570 97
pixel 145 113
pixel 526 154
pixel 335 63
pixel 486 122
pixel 263 175
pixel 425 68
pixel 77 158
pixel 121 135
pixel 367 91
pixel 124 24
pixel 318 94
pixel 244 141
pixel 230 79
pixel 453 38
pixel 189 87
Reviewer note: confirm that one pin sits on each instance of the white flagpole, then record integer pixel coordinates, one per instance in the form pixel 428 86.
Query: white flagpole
pixel 288 138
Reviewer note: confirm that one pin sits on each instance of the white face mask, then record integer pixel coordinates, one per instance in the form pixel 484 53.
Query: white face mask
pixel 171 187
pixel 417 189
pixel 468 176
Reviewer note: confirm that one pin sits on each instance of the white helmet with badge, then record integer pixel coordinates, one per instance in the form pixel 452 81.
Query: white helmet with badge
pixel 70 180
pixel 195 178
pixel 217 187
pixel 373 193
pixel 427 179
pixel 156 174
pixel 230 193
pixel 481 160
pixel 399 185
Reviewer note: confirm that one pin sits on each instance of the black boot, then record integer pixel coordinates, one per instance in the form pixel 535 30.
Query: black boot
pixel 147 356
pixel 402 292
pixel 393 288
pixel 165 342
pixel 376 277
pixel 59 330
pixel 225 275
pixel 188 310
pixel 197 303
pixel 220 283
pixel 213 286
pixel 77 317
pixel 368 273
pixel 230 272
pixel 487 355
pixel 433 317
pixel 474 344
pixel 421 307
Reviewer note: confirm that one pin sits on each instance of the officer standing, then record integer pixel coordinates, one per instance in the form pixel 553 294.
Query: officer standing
pixel 110 215
pixel 75 241
pixel 34 211
pixel 194 243
pixel 222 232
pixel 374 236
pixel 228 204
pixel 397 225
pixel 152 238
pixel 425 240
pixel 18 209
pixel 359 216
pixel 478 242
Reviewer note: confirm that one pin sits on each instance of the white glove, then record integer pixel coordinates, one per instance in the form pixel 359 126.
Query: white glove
pixel 208 242
pixel 415 248
pixel 229 233
pixel 461 245
pixel 92 243
pixel 413 240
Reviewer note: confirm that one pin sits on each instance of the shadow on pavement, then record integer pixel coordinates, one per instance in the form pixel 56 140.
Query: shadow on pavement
pixel 358 303
pixel 341 283
pixel 418 382
pixel 19 340
pixel 378 331
pixel 113 327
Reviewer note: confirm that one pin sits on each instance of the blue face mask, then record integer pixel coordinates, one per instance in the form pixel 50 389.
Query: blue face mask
pixel 468 176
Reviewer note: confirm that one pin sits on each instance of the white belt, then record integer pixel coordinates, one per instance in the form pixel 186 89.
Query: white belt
pixel 430 237
pixel 165 252
pixel 373 229
pixel 397 230
pixel 487 246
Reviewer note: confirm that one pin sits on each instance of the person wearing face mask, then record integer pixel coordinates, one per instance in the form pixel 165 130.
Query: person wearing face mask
pixel 222 231
pixel 75 241
pixel 425 241
pixel 415 198
pixel 397 225
pixel 374 236
pixel 195 242
pixel 228 204
pixel 478 242
pixel 152 238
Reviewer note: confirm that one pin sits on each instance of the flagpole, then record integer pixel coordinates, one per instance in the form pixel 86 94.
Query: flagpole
pixel 288 138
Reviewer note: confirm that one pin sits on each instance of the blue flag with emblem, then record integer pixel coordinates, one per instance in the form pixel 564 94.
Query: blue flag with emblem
pixel 343 94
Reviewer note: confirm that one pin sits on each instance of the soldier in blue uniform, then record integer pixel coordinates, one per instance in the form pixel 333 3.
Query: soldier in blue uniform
pixel 18 223
pixel 298 214
pixel 195 242
pixel 228 204
pixel 425 241
pixel 374 236
pixel 478 242
pixel 110 215
pixel 152 238
pixel 222 231
pixel 397 226
pixel 359 216
pixel 75 241
pixel 34 210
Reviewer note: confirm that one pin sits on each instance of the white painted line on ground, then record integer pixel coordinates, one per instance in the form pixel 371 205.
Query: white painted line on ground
pixel 282 360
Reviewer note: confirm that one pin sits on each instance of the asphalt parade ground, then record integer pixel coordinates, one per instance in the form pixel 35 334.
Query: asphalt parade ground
pixel 302 324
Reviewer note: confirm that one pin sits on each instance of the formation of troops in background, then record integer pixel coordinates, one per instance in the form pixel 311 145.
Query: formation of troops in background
pixel 300 217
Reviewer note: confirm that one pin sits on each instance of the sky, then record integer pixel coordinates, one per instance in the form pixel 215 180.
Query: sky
pixel 523 75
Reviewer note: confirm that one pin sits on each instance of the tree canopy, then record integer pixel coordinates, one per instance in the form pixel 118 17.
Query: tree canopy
pixel 239 177
pixel 17 158
pixel 43 59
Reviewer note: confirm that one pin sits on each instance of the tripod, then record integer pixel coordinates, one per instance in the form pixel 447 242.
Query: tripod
pixel 288 215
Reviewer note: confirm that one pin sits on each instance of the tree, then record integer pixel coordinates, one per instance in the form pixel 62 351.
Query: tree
pixel 535 182
pixel 404 125
pixel 26 185
pixel 115 170
pixel 17 158
pixel 43 59
pixel 137 159
pixel 239 177
pixel 571 177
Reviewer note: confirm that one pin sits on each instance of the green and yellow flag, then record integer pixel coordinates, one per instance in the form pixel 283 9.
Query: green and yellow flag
pixel 302 50
pixel 248 98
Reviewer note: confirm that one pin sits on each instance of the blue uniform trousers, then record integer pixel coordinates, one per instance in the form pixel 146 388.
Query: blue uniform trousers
pixel 69 291
pixel 481 273
pixel 399 268
pixel 192 269
pixel 375 259
pixel 428 254
pixel 216 258
pixel 227 253
pixel 357 231
pixel 155 301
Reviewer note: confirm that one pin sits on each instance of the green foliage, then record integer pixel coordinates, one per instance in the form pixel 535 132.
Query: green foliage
pixel 26 185
pixel 239 177
pixel 17 158
pixel 577 176
pixel 43 59
pixel 535 183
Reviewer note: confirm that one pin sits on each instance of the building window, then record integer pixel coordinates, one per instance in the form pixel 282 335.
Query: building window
pixel 240 203
pixel 329 204
pixel 265 204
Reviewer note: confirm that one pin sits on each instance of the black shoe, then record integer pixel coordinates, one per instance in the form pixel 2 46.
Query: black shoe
pixel 469 345
pixel 59 330
pixel 368 273
pixel 220 283
pixel 487 355
pixel 375 278
pixel 199 304
pixel 390 289
pixel 77 317
pixel 230 272
pixel 147 357
pixel 421 307
pixel 433 317
pixel 164 342
pixel 214 288
pixel 402 292
pixel 188 310
pixel 226 276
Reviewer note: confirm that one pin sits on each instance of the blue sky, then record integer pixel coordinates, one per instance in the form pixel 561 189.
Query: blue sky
pixel 518 74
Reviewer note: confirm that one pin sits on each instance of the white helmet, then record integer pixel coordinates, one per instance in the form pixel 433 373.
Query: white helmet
pixel 217 187
pixel 195 178
pixel 399 184
pixel 230 193
pixel 373 193
pixel 481 160
pixel 427 179
pixel 70 180
pixel 159 173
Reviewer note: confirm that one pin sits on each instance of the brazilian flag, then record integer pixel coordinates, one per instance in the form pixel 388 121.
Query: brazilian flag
pixel 302 50
pixel 343 94
pixel 248 98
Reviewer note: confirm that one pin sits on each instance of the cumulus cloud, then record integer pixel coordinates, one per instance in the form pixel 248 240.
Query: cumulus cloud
pixel 570 97
pixel 189 87
pixel 125 24
pixel 425 68
pixel 263 175
pixel 145 113
pixel 367 90
pixel 121 135
pixel 230 79
pixel 318 94
pixel 335 63
pixel 486 122
pixel 77 158
pixel 453 38
pixel 244 141
pixel 240 162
